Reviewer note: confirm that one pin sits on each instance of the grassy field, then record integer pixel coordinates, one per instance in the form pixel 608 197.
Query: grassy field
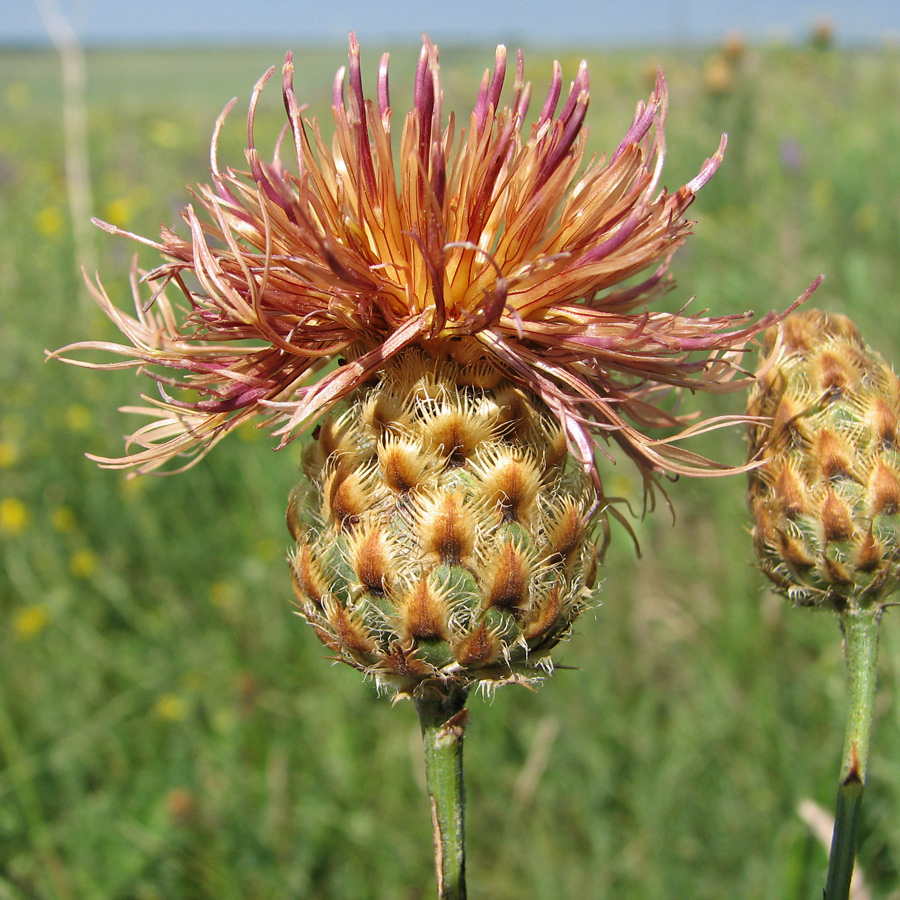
pixel 169 729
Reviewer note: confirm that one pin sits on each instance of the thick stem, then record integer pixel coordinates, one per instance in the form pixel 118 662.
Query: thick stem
pixel 860 630
pixel 443 718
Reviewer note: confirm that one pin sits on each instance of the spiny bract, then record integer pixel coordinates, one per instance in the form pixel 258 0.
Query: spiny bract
pixel 826 501
pixel 452 537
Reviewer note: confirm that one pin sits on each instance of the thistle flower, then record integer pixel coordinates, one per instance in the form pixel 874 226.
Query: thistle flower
pixel 826 500
pixel 477 292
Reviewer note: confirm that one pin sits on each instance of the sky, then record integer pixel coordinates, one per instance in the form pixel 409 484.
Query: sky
pixel 603 22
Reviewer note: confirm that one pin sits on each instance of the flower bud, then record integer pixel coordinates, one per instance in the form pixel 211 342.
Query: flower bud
pixel 826 497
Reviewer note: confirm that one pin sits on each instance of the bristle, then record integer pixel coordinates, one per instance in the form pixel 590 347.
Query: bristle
pixel 883 490
pixel 832 456
pixel 373 558
pixel 554 445
pixel 335 436
pixel 482 374
pixel 384 414
pixel 836 572
pixel 310 576
pixel 882 419
pixel 510 482
pixel 403 464
pixel 799 334
pixel 565 531
pixel 294 514
pixel 515 416
pixel 789 426
pixel 793 552
pixel 348 630
pixel 406 664
pixel 507 577
pixel 423 613
pixel 833 373
pixel 478 648
pixel 868 555
pixel 791 492
pixel 455 433
pixel 346 496
pixel 447 527
pixel 543 615
pixel 836 519
pixel 842 327
pixel 590 560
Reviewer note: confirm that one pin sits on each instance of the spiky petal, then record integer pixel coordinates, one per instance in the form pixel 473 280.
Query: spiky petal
pixel 493 243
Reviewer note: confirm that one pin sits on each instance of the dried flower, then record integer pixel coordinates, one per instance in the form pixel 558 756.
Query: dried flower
pixel 496 247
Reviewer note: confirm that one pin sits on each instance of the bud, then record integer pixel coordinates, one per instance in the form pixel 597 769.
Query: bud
pixel 826 496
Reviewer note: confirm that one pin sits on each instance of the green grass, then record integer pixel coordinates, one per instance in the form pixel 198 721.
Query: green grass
pixel 169 729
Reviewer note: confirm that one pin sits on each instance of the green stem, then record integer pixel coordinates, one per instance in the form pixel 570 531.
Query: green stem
pixel 443 718
pixel 860 630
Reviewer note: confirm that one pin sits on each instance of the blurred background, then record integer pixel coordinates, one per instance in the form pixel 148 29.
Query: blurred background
pixel 168 727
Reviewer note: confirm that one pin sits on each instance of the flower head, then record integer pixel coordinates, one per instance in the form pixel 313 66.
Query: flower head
pixel 491 243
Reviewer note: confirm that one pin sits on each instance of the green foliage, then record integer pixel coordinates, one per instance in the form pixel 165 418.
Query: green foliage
pixel 168 728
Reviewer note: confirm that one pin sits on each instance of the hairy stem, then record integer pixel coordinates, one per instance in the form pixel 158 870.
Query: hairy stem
pixel 443 718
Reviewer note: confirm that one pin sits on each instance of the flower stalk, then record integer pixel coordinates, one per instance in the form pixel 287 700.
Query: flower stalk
pixel 860 632
pixel 443 718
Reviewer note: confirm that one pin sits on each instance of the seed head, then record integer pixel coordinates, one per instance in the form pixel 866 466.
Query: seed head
pixel 826 497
